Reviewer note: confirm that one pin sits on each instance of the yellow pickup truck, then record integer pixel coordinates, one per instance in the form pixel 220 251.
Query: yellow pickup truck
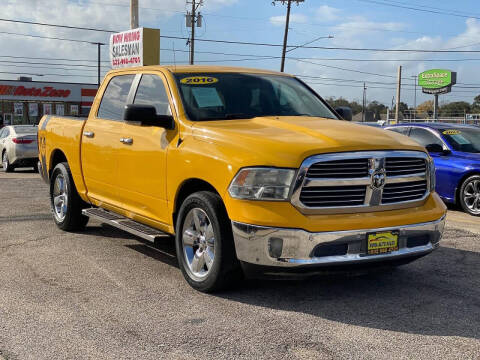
pixel 251 171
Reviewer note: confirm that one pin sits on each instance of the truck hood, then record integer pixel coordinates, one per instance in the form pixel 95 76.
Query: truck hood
pixel 287 141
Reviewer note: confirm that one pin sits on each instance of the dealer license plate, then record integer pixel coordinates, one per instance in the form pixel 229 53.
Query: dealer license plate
pixel 382 242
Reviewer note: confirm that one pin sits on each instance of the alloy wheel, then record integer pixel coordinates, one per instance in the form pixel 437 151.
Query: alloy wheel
pixel 471 196
pixel 60 198
pixel 198 241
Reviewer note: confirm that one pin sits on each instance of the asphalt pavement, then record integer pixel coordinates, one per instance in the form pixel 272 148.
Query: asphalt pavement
pixel 104 294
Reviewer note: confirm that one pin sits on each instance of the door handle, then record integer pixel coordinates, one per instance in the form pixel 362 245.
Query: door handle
pixel 88 134
pixel 126 141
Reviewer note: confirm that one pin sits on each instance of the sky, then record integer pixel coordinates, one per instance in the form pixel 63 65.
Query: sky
pixel 372 24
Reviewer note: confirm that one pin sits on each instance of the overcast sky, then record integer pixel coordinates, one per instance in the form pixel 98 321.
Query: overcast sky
pixel 352 23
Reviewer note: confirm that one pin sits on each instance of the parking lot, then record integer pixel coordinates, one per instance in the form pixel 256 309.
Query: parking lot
pixel 104 294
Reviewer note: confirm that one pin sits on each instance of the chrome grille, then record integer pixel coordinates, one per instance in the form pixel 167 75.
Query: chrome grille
pixel 361 182
pixel 404 166
pixel 406 191
pixel 321 196
pixel 340 169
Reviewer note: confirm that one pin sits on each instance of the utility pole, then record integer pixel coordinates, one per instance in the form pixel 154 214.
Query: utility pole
pixel 364 102
pixel 192 19
pixel 99 48
pixel 98 63
pixel 287 22
pixel 415 97
pixel 399 85
pixel 133 14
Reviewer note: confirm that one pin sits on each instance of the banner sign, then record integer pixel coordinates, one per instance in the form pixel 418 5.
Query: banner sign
pixel 32 109
pixel 18 109
pixel 47 109
pixel 136 47
pixel 437 79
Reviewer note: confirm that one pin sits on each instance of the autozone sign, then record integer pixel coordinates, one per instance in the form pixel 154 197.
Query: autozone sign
pixel 45 91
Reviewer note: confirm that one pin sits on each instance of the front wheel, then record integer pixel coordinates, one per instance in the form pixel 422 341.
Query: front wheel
pixel 6 163
pixel 470 195
pixel 65 202
pixel 204 243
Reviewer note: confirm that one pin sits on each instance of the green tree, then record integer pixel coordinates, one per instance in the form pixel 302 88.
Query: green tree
pixel 476 104
pixel 377 109
pixel 356 107
pixel 455 109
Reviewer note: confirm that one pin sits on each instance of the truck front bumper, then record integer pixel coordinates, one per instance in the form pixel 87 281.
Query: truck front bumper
pixel 296 248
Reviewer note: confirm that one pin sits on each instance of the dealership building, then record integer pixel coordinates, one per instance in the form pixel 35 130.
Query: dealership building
pixel 25 101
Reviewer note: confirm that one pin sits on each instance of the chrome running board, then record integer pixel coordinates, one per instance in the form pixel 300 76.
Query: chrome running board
pixel 133 227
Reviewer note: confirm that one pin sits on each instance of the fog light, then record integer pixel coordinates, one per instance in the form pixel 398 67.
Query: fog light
pixel 275 247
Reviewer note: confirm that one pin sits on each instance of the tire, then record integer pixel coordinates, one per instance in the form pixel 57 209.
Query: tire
pixel 36 167
pixel 6 166
pixel 207 257
pixel 469 195
pixel 64 200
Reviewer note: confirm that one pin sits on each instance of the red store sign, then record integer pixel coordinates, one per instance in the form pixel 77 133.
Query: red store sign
pixel 46 91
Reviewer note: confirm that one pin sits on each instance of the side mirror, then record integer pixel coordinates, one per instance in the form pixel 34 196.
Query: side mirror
pixel 345 113
pixel 437 148
pixel 147 115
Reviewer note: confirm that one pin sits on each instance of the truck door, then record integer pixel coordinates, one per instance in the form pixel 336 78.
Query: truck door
pixel 101 143
pixel 144 154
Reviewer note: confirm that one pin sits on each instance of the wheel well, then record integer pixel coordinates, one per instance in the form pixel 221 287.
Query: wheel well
pixel 460 182
pixel 186 189
pixel 57 157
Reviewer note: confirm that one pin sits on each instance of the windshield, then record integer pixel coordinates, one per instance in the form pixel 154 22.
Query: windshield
pixel 25 129
pixel 464 139
pixel 220 96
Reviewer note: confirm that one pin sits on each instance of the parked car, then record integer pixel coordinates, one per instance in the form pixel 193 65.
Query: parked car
pixel 251 170
pixel 18 147
pixel 455 150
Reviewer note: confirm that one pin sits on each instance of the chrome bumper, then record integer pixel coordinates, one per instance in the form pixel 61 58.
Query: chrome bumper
pixel 285 247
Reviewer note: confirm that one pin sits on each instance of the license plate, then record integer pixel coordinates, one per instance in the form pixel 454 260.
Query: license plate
pixel 382 242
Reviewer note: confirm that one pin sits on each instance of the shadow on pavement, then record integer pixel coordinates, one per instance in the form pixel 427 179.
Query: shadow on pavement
pixel 437 295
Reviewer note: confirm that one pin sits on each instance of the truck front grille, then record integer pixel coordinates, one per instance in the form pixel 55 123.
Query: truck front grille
pixel 321 196
pixel 340 169
pixel 404 166
pixel 361 181
pixel 407 191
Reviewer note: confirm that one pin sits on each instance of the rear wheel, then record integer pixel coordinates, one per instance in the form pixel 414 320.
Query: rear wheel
pixel 6 163
pixel 204 243
pixel 65 202
pixel 470 195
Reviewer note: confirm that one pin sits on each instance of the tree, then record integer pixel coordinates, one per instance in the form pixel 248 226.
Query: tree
pixel 425 108
pixel 455 109
pixel 476 104
pixel 377 109
pixel 356 107
pixel 403 107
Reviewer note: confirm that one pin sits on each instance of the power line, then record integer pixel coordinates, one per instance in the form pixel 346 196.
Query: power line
pixel 54 59
pixel 238 42
pixel 419 9
pixel 49 37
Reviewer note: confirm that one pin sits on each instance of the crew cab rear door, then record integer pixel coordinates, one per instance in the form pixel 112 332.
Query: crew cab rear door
pixel 101 143
pixel 144 152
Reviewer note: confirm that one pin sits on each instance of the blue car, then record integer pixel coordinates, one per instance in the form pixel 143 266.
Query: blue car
pixel 455 149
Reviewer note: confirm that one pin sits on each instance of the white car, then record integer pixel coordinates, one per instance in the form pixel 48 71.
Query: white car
pixel 18 147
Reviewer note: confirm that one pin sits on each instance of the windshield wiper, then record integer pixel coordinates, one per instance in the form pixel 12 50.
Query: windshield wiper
pixel 238 116
pixel 231 116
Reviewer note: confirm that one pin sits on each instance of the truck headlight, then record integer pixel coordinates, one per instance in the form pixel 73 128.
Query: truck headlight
pixel 262 184
pixel 431 168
